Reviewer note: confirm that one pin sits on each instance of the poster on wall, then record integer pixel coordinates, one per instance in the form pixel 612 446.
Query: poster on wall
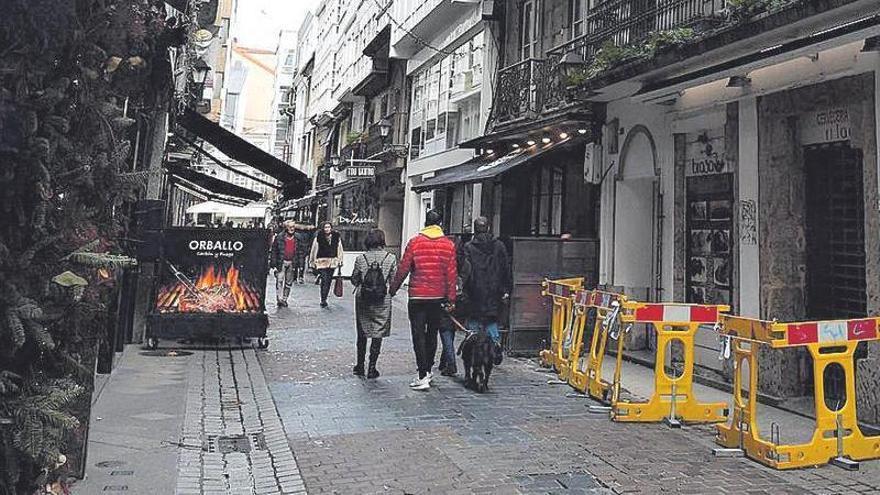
pixel 709 239
pixel 213 271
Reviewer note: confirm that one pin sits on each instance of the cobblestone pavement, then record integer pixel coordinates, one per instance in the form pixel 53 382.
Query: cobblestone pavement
pixel 233 441
pixel 353 436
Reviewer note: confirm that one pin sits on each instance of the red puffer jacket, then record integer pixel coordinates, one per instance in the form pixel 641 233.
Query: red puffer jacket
pixel 429 260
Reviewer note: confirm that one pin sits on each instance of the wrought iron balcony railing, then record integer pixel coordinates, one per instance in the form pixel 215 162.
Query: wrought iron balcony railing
pixel 537 86
pixel 520 90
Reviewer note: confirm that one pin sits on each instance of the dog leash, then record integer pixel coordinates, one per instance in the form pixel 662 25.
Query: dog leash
pixel 463 329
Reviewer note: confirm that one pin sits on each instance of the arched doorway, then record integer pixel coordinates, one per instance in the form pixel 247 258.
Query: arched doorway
pixel 636 247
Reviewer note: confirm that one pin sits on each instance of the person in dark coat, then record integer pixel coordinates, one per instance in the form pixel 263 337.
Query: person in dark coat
pixel 326 257
pixel 447 364
pixel 303 235
pixel 489 283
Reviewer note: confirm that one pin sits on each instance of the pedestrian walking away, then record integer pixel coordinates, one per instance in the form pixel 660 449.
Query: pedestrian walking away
pixel 489 283
pixel 326 257
pixel 447 364
pixel 370 276
pixel 429 261
pixel 282 257
pixel 304 236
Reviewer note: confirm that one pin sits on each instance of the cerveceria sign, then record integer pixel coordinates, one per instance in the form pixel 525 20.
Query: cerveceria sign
pixel 825 126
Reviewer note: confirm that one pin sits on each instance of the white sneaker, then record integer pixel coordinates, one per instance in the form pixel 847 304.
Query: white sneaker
pixel 429 377
pixel 415 381
pixel 423 384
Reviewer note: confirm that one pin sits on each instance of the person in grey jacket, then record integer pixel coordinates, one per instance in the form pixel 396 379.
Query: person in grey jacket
pixel 372 314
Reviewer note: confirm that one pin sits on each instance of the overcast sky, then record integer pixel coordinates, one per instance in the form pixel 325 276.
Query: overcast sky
pixel 259 21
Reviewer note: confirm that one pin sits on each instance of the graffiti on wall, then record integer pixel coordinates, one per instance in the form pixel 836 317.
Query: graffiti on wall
pixel 748 222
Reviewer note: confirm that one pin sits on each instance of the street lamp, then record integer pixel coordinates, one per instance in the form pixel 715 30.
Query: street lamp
pixel 200 71
pixel 384 128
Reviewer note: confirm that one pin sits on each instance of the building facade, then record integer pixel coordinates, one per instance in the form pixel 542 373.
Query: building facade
pixel 739 149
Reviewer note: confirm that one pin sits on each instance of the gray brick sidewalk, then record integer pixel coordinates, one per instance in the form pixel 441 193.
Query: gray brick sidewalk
pixel 227 400
pixel 195 424
pixel 354 436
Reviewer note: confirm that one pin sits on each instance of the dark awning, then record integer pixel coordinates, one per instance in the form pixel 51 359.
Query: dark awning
pixel 484 167
pixel 295 183
pixel 212 184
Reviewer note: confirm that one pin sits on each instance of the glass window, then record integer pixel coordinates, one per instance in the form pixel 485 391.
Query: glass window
pixel 576 10
pixel 529 29
pixel 547 201
pixel 415 142
pixel 556 201
pixel 437 97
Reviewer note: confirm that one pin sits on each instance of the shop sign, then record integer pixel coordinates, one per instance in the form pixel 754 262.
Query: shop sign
pixel 592 163
pixel 354 218
pixel 705 154
pixel 360 171
pixel 825 126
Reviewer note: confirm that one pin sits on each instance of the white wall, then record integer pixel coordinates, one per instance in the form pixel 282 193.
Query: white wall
pixel 626 219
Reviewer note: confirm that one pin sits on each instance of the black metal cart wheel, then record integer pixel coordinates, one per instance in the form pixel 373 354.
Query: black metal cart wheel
pixel 263 343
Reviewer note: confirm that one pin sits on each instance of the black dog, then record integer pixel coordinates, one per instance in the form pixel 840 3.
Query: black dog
pixel 478 353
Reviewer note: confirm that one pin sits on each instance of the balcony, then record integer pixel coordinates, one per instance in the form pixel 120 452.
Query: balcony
pixel 324 178
pixel 371 145
pixel 647 40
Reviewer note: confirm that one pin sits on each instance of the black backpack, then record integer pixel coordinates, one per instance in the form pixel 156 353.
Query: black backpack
pixel 374 287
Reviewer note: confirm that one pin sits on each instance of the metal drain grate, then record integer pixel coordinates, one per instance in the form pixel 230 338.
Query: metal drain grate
pixel 116 488
pixel 128 472
pixel 229 444
pixel 258 440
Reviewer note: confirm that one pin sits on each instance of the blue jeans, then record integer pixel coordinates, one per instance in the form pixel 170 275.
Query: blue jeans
pixel 489 326
pixel 447 339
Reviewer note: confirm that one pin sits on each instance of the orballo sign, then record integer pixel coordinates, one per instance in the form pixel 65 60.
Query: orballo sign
pixel 216 249
pixel 825 126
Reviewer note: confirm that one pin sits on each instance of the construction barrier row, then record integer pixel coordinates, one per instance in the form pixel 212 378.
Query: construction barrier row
pixel 606 317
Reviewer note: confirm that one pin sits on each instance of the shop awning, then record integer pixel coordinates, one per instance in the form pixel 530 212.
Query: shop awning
pixel 295 182
pixel 211 207
pixel 484 167
pixel 211 185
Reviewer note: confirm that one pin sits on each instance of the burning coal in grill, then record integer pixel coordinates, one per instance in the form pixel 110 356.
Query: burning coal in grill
pixel 215 290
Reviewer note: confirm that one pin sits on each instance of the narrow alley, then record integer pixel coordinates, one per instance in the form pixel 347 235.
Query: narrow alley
pixel 351 435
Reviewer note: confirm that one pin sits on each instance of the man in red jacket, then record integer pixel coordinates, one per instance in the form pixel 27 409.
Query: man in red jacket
pixel 429 260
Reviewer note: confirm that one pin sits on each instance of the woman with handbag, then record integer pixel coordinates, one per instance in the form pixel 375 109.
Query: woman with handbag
pixel 326 257
pixel 372 303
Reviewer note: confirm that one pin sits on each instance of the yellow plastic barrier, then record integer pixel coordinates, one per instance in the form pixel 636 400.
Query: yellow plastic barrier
pixel 837 437
pixel 673 399
pixel 586 373
pixel 561 322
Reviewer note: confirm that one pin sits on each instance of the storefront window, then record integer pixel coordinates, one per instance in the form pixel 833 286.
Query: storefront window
pixel 547 188
pixel 459 209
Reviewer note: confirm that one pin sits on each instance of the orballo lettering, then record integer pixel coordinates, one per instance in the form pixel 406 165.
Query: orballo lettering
pixel 216 245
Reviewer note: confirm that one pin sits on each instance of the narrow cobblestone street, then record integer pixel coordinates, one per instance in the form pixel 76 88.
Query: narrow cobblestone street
pixel 352 436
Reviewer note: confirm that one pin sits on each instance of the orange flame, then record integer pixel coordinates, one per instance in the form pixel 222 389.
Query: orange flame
pixel 217 290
